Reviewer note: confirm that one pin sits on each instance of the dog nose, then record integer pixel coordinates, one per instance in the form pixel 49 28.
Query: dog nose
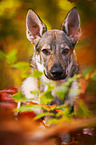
pixel 56 74
pixel 56 71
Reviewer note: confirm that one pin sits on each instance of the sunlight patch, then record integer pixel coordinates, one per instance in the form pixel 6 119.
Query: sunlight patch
pixel 64 4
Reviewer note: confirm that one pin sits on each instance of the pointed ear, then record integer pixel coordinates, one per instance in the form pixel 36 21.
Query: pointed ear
pixel 71 25
pixel 35 27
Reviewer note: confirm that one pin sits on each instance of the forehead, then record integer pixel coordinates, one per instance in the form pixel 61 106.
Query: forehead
pixel 55 38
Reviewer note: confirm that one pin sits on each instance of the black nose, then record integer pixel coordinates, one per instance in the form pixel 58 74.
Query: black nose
pixel 56 71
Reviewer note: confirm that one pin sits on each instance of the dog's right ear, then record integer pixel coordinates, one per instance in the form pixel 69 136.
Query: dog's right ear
pixel 71 25
pixel 35 27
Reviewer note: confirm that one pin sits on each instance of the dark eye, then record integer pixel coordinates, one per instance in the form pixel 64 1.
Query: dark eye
pixel 65 51
pixel 45 51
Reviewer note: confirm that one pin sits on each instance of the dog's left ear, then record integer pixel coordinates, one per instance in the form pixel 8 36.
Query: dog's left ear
pixel 35 27
pixel 71 25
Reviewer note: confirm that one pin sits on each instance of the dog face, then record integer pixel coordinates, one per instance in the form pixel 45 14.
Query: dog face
pixel 54 49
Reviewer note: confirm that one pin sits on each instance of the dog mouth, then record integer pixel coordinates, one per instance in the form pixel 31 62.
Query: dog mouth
pixel 56 77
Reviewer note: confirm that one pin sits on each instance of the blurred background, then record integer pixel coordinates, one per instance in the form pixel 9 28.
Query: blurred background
pixel 13 41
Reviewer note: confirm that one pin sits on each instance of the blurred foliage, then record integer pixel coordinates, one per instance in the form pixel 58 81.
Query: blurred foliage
pixel 63 90
pixel 55 113
pixel 52 12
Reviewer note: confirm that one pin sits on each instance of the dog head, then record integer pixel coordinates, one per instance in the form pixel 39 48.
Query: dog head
pixel 54 49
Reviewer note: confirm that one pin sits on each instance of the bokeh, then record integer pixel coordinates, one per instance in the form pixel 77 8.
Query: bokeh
pixel 52 12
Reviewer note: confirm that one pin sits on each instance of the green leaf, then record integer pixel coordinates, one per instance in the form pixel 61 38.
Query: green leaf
pixel 65 112
pixel 25 75
pixel 82 110
pixel 46 97
pixel 21 65
pixel 60 113
pixel 87 71
pixel 11 57
pixel 50 85
pixel 52 108
pixel 19 97
pixel 2 55
pixel 43 114
pixel 94 75
pixel 35 92
pixel 61 91
pixel 61 107
pixel 53 120
pixel 71 80
pixel 46 108
pixel 26 108
pixel 36 74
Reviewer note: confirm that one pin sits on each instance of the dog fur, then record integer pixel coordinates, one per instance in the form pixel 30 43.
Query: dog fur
pixel 54 53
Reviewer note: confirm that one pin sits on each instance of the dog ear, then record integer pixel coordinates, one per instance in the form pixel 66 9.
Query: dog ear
pixel 35 27
pixel 71 25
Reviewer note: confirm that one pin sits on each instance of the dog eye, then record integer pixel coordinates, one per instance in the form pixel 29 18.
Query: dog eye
pixel 65 51
pixel 45 51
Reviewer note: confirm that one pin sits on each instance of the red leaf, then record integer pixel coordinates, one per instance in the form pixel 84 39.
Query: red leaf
pixel 11 91
pixel 26 115
pixel 23 115
pixel 8 105
pixel 6 97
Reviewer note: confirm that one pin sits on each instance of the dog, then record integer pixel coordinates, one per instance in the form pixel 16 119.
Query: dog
pixel 54 53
